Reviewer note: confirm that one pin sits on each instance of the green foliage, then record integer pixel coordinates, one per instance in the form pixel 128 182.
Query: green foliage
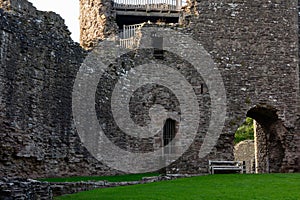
pixel 212 187
pixel 118 178
pixel 245 131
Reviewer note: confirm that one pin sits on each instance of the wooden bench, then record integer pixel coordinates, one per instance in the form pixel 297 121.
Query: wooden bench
pixel 226 166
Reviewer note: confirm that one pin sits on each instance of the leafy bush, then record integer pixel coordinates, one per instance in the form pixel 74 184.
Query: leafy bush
pixel 245 131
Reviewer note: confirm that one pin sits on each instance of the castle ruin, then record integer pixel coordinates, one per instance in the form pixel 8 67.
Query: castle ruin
pixel 254 45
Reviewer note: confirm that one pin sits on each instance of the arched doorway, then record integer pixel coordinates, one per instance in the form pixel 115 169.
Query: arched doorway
pixel 269 133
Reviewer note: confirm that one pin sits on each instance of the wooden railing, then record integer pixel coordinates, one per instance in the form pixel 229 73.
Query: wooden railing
pixel 130 36
pixel 131 30
pixel 165 5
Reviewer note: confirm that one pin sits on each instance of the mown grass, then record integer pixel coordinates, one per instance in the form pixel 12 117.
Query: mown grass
pixel 118 178
pixel 211 187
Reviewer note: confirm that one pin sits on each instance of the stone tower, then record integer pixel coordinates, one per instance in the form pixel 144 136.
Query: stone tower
pixel 96 21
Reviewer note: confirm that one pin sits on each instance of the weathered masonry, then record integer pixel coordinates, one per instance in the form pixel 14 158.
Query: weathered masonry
pixel 254 45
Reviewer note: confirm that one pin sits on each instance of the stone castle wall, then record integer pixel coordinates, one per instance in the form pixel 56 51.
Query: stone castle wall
pixel 244 151
pixel 39 62
pixel 19 6
pixel 250 41
pixel 253 44
pixel 26 189
pixel 97 21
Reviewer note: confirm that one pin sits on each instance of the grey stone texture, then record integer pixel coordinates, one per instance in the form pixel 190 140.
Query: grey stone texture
pixel 62 188
pixel 24 189
pixel 244 151
pixel 39 62
pixel 254 45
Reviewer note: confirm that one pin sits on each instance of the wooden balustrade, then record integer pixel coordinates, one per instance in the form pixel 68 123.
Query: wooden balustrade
pixel 166 5
pixel 129 38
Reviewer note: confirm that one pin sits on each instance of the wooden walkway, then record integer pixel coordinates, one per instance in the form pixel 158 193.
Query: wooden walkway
pixel 148 5
pixel 131 34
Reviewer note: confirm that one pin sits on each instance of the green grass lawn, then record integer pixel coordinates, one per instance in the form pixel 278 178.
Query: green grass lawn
pixel 118 178
pixel 211 187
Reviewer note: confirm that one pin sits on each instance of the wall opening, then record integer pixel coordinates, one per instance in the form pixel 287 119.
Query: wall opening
pixel 131 19
pixel 259 141
pixel 244 145
pixel 169 133
pixel 245 131
pixel 269 131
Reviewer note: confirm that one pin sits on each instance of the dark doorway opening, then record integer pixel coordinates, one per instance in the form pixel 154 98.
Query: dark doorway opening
pixel 130 20
pixel 169 131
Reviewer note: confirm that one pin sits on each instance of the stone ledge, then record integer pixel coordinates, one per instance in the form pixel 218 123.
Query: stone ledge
pixel 62 188
pixel 25 189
